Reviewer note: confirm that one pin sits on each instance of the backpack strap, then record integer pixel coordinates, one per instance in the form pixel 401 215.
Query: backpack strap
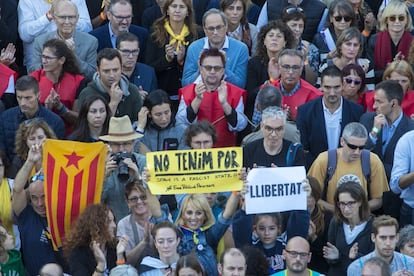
pixel 330 170
pixel 366 169
pixel 291 153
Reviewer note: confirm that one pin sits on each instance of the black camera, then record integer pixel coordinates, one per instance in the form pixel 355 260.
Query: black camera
pixel 119 159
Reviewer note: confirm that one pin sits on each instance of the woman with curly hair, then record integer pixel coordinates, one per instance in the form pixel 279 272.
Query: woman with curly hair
pixel 93 120
pixel 91 244
pixel 167 44
pixel 60 81
pixel 272 39
pixel 30 133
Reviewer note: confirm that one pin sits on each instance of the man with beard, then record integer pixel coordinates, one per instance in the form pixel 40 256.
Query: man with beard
pixel 322 120
pixel 123 97
pixel 297 257
pixel 385 236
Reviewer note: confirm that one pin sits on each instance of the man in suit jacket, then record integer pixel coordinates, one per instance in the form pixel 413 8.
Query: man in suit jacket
pixel 388 123
pixel 120 16
pixel 321 121
pixel 82 44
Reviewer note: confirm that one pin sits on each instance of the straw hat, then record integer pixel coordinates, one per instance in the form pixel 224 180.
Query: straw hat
pixel 120 130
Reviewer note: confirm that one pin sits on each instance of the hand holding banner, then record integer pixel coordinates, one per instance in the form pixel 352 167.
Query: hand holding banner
pixel 275 190
pixel 195 171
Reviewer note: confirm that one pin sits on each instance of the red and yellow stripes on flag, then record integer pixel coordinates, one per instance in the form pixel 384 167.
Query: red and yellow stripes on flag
pixel 74 174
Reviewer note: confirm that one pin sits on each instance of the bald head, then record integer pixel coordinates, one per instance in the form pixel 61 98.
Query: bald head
pixel 298 244
pixel 297 255
pixel 51 270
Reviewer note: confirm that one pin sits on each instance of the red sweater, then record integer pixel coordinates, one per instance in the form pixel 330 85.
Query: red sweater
pixel 212 111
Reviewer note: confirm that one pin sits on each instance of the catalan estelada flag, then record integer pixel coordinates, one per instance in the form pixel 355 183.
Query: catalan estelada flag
pixel 74 174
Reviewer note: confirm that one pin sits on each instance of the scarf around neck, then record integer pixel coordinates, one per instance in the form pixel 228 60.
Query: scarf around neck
pixel 383 52
pixel 180 38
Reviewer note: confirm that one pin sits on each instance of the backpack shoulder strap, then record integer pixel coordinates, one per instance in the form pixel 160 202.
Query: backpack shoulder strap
pixel 366 169
pixel 330 170
pixel 291 153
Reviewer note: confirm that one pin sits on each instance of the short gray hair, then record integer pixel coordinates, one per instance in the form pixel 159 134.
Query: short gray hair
pixel 355 129
pixel 292 53
pixel 406 235
pixel 214 11
pixel 274 112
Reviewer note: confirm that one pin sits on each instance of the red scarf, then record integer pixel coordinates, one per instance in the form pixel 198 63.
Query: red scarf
pixel 383 53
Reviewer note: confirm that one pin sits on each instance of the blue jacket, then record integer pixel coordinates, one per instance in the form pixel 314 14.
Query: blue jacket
pixel 207 243
pixel 104 40
pixel 144 75
pixel 237 55
pixel 297 225
pixel 405 125
pixel 10 120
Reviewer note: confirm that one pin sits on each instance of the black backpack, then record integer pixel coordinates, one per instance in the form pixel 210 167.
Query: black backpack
pixel 331 167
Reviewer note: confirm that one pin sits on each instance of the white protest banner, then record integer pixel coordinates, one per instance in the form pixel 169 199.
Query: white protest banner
pixel 275 190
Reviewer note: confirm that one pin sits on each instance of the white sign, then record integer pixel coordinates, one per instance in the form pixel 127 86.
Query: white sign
pixel 275 190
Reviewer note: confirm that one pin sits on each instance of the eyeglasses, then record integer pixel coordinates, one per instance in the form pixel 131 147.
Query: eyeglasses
pixel 122 18
pixel 37 177
pixel 349 204
pixel 216 68
pixel 270 130
pixel 339 18
pixel 135 199
pixel 295 254
pixel 354 147
pixel 294 9
pixel 129 52
pixel 48 58
pixel 216 28
pixel 287 68
pixel 349 81
pixel 66 17
pixel 394 18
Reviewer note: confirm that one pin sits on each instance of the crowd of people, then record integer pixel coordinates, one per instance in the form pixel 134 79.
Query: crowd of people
pixel 323 84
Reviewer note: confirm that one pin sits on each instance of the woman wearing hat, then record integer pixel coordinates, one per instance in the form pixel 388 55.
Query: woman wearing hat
pixel 123 165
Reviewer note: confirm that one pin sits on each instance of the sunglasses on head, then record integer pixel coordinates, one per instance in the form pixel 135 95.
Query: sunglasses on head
pixel 393 18
pixel 294 9
pixel 354 147
pixel 339 18
pixel 37 177
pixel 349 81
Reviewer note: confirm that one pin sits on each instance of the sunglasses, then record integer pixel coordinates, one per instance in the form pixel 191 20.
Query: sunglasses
pixel 394 18
pixel 37 177
pixel 135 199
pixel 349 81
pixel 339 18
pixel 208 68
pixel 293 10
pixel 354 147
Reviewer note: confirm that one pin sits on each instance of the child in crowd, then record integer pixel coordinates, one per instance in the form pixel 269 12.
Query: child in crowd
pixel 267 232
pixel 10 258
